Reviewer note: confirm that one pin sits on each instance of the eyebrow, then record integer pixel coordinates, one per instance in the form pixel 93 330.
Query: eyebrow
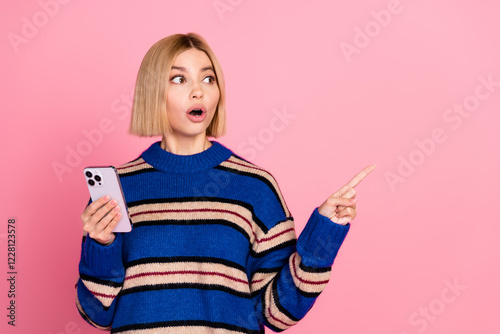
pixel 180 68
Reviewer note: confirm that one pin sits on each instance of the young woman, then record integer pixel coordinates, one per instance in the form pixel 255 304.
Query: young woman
pixel 213 247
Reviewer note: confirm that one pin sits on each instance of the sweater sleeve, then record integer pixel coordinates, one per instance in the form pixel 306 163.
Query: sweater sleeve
pixel 289 274
pixel 101 276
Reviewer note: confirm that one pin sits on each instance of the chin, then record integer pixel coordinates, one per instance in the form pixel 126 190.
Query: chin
pixel 193 132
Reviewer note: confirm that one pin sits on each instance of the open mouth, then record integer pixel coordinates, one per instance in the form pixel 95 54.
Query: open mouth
pixel 196 112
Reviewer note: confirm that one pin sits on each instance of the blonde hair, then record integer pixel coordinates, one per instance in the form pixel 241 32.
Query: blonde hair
pixel 149 111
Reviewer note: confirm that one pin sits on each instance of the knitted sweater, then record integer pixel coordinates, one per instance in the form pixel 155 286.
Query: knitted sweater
pixel 213 249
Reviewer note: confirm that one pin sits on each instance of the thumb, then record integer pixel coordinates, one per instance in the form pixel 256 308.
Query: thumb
pixel 329 207
pixel 340 201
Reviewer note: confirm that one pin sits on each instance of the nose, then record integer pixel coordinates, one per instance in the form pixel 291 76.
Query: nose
pixel 196 91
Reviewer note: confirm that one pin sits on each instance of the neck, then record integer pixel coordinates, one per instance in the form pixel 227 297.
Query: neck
pixel 185 145
pixel 165 161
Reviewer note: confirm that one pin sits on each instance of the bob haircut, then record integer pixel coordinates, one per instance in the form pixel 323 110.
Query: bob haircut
pixel 149 110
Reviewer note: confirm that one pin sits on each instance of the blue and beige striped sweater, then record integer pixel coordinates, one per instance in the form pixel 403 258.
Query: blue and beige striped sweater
pixel 213 249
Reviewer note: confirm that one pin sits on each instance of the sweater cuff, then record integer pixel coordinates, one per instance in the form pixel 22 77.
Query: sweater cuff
pixel 320 240
pixel 102 261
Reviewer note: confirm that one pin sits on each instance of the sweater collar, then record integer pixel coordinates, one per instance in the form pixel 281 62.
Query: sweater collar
pixel 166 161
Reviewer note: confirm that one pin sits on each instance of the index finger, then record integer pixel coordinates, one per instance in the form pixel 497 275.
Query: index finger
pixel 359 177
pixel 96 205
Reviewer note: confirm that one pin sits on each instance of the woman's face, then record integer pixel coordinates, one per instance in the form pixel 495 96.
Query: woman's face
pixel 192 85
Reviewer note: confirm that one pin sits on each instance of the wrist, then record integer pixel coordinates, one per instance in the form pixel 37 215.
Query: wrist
pixel 109 242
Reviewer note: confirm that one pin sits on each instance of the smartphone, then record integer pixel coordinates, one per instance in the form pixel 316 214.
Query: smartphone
pixel 104 180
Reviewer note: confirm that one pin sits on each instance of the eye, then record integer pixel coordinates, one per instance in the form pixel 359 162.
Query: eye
pixel 211 79
pixel 178 79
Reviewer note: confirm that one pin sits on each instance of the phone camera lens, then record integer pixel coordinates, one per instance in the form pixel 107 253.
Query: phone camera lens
pixel 89 174
pixel 97 178
pixel 91 182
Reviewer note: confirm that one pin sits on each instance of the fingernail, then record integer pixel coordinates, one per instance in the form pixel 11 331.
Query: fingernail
pixel 106 198
pixel 113 202
pixel 353 200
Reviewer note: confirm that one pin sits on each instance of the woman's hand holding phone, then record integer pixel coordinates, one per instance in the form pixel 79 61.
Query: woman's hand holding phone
pixel 100 218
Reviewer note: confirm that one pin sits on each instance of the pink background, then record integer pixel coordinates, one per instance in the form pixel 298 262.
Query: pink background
pixel 426 216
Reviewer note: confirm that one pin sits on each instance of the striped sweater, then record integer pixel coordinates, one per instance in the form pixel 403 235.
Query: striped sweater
pixel 213 249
